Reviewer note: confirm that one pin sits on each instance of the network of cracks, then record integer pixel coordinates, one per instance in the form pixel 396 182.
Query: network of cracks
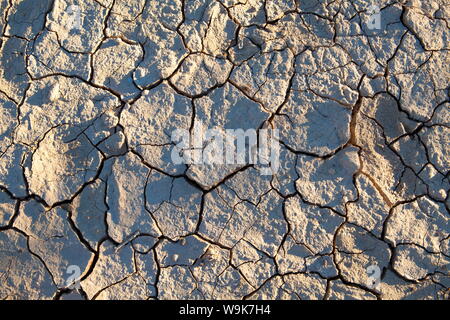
pixel 86 178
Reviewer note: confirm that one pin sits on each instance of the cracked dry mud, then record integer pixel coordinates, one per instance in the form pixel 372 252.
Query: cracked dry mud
pixel 86 177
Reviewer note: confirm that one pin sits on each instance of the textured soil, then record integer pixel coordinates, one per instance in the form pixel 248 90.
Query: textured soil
pixel 93 207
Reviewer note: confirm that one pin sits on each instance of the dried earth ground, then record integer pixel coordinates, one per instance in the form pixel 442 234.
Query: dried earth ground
pixel 86 177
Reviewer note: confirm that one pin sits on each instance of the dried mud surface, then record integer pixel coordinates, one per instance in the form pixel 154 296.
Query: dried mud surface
pixel 86 177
